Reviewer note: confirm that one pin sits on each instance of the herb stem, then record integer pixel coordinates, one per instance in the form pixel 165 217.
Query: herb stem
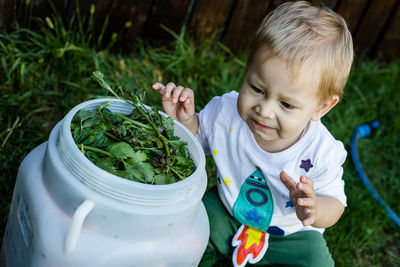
pixel 133 121
pixel 97 150
pixel 177 174
pixel 113 136
pixel 145 148
pixel 155 128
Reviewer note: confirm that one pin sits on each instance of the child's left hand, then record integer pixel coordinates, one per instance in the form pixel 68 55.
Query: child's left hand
pixel 303 196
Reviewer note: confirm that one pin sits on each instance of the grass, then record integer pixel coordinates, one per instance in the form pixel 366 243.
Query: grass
pixel 370 238
pixel 44 74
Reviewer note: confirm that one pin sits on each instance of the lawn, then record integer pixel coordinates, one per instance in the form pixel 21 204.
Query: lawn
pixel 44 74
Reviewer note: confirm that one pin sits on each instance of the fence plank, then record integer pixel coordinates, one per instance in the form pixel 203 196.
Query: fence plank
pixel 372 24
pixel 389 46
pixel 209 17
pixel 42 8
pixel 351 11
pixel 101 11
pixel 128 17
pixel 329 3
pixel 246 17
pixel 170 13
pixel 27 10
pixel 6 13
pixel 236 19
pixel 332 4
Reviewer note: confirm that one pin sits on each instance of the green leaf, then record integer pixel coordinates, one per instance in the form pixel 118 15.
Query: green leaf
pixel 91 155
pixel 123 130
pixel 111 117
pixel 76 133
pixel 83 115
pixel 164 179
pixel 102 127
pixel 140 171
pixel 106 143
pixel 91 122
pixel 83 134
pixel 107 164
pixel 158 143
pixel 98 77
pixel 140 146
pixel 132 174
pixel 140 156
pixel 94 138
pixel 182 160
pixel 168 124
pixel 137 163
pixel 121 150
pixel 147 170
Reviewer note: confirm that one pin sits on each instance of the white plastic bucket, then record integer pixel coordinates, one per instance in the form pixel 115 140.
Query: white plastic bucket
pixel 68 212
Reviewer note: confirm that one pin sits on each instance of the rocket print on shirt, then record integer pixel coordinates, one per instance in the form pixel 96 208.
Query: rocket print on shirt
pixel 254 208
pixel 251 245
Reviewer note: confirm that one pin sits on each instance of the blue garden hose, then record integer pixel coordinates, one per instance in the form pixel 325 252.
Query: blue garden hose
pixel 360 132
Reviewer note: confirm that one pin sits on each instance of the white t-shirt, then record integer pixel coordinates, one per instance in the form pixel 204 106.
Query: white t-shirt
pixel 224 135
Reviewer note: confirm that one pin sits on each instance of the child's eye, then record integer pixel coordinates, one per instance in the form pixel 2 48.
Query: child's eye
pixel 257 90
pixel 286 105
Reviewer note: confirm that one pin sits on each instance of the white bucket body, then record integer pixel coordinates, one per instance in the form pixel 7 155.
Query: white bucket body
pixel 68 212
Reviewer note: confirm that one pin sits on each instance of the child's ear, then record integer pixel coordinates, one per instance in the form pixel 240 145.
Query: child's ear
pixel 325 107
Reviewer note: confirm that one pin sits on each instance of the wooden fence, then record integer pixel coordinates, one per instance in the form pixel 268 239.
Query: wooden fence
pixel 375 24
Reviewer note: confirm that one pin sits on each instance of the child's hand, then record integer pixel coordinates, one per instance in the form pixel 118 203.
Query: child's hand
pixel 177 101
pixel 303 197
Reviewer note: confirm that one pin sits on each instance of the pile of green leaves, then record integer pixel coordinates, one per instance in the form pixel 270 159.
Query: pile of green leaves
pixel 140 146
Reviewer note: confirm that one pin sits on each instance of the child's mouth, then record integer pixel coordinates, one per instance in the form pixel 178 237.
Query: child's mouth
pixel 262 125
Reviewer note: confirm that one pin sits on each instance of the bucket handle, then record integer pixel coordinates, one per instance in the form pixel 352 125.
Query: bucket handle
pixel 76 225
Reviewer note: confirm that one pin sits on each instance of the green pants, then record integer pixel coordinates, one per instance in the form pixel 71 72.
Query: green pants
pixel 306 248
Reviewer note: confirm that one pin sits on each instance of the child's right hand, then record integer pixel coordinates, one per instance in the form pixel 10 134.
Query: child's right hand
pixel 177 101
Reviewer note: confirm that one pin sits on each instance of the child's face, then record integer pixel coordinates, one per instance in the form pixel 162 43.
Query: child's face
pixel 277 107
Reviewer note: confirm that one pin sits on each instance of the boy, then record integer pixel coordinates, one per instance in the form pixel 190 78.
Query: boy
pixel 279 169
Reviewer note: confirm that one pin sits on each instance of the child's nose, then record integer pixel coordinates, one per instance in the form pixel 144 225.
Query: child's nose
pixel 266 110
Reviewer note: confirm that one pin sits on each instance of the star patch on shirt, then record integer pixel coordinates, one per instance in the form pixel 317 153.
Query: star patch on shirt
pixel 253 215
pixel 227 181
pixel 289 204
pixel 306 165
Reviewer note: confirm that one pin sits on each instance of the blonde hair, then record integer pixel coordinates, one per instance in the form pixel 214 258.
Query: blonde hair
pixel 302 33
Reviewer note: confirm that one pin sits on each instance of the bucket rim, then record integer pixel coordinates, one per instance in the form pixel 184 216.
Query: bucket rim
pixel 77 159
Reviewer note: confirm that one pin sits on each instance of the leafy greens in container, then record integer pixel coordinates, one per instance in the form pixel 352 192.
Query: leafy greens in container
pixel 140 146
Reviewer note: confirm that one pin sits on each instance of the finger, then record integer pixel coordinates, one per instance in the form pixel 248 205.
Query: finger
pixel 187 105
pixel 158 87
pixel 175 94
pixel 168 89
pixel 309 220
pixel 306 189
pixel 187 93
pixel 306 202
pixel 287 181
pixel 307 216
pixel 187 97
pixel 306 180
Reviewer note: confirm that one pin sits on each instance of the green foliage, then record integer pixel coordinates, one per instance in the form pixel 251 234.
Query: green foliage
pixel 42 76
pixel 365 236
pixel 140 146
pixel 206 68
